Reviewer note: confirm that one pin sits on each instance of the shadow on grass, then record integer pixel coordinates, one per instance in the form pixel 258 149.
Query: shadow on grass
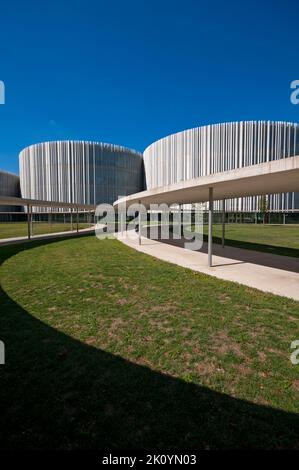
pixel 272 249
pixel 242 252
pixel 57 392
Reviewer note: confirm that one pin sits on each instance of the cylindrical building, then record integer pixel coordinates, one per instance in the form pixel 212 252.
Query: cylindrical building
pixel 219 147
pixel 77 171
pixel 9 186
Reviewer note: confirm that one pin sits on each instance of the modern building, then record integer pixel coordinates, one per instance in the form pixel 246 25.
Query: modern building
pixel 9 186
pixel 80 172
pixel 93 173
pixel 218 148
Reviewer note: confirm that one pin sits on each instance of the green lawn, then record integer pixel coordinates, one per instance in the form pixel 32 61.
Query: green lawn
pixel 107 347
pixel 19 229
pixel 277 239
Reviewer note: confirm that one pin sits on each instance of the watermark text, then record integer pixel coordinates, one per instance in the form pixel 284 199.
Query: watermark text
pixel 2 92
pixel 158 221
pixel 295 354
pixel 295 94
pixel 2 353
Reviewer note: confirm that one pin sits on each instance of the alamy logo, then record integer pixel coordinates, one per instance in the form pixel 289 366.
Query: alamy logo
pixel 2 92
pixel 2 353
pixel 174 223
pixel 295 94
pixel 295 354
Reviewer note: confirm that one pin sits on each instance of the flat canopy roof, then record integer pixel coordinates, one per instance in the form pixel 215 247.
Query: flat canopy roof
pixel 277 176
pixel 18 201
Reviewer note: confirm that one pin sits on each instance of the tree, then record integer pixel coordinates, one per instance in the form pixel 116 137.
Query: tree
pixel 264 207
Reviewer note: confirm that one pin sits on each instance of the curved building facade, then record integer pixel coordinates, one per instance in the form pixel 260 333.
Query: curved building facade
pixel 9 186
pixel 219 147
pixel 77 171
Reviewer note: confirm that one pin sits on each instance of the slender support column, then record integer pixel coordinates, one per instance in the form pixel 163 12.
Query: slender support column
pixel 223 223
pixel 71 210
pixel 139 224
pixel 28 221
pixel 181 220
pixel 31 222
pixel 284 218
pixel 77 222
pixel 210 237
pixel 122 213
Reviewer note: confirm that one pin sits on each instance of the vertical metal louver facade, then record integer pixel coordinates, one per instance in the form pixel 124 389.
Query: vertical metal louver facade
pixel 77 171
pixel 9 186
pixel 216 148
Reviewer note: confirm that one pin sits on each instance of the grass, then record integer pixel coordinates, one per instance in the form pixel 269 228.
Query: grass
pixel 107 347
pixel 276 239
pixel 20 229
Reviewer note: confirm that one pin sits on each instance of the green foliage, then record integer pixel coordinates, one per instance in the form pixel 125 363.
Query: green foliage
pixel 263 204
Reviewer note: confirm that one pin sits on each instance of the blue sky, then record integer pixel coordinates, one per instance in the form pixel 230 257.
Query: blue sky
pixel 130 72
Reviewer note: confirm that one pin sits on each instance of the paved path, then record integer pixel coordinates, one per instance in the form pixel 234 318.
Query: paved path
pixel 266 272
pixel 44 236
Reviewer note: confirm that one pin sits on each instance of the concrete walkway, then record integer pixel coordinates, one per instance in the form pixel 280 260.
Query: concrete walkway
pixel 45 236
pixel 266 272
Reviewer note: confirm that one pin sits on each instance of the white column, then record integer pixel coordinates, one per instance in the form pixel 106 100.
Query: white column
pixel 28 221
pixel 71 210
pixel 180 231
pixel 210 236
pixel 139 224
pixel 31 222
pixel 223 223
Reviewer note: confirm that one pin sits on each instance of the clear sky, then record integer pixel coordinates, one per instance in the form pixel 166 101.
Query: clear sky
pixel 129 72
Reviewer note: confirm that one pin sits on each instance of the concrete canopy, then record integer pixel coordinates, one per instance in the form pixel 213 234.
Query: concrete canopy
pixel 18 201
pixel 277 176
